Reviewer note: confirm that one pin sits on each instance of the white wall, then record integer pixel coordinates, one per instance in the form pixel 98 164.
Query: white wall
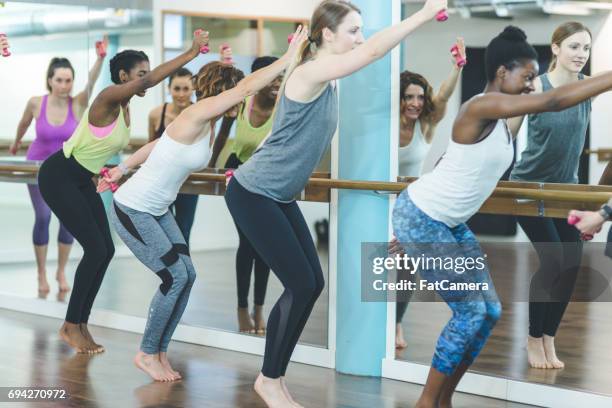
pixel 427 53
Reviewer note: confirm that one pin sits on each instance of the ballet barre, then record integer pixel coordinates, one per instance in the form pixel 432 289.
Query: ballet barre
pixel 133 145
pixel 603 154
pixel 509 198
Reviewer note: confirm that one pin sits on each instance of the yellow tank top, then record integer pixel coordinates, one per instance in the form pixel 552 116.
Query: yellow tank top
pixel 92 152
pixel 248 137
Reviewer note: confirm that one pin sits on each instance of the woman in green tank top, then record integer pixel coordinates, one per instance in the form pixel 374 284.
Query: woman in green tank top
pixel 254 122
pixel 554 146
pixel 65 179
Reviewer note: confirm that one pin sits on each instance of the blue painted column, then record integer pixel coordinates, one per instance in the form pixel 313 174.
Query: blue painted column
pixel 364 145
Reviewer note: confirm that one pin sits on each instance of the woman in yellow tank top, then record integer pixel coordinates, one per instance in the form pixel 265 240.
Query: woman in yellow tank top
pixel 65 179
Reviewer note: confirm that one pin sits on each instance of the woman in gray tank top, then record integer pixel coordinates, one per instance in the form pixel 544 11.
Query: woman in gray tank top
pixel 261 195
pixel 554 145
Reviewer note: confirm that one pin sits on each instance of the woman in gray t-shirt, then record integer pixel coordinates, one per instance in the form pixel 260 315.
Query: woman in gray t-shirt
pixel 261 195
pixel 554 145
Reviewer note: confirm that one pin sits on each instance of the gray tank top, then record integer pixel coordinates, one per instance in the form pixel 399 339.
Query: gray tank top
pixel 300 135
pixel 554 143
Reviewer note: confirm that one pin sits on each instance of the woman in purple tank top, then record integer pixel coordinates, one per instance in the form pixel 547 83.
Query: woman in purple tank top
pixel 57 116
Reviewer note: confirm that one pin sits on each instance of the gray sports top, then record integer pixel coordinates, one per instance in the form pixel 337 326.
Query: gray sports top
pixel 300 135
pixel 554 143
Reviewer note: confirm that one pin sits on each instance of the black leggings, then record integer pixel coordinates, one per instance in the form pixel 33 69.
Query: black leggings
pixel 69 191
pixel 559 250
pixel 245 258
pixel 280 235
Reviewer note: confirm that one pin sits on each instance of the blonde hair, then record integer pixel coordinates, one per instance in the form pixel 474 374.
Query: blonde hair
pixel 561 33
pixel 328 14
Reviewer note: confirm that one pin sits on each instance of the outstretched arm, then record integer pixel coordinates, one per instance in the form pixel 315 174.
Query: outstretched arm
pixel 495 105
pixel 332 67
pixel 188 125
pixel 109 99
pixel 83 97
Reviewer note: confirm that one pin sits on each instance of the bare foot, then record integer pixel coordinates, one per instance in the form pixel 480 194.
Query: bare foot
pixel 258 318
pixel 93 345
pixel 150 364
pixel 535 353
pixel 245 324
pixel 61 282
pixel 400 342
pixel 71 334
pixel 271 391
pixel 286 391
pixel 550 352
pixel 163 359
pixel 43 285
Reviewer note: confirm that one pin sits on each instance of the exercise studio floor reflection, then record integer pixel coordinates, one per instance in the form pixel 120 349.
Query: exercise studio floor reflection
pixel 129 285
pixel 582 341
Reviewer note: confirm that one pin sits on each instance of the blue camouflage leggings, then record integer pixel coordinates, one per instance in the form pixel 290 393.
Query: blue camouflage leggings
pixel 475 312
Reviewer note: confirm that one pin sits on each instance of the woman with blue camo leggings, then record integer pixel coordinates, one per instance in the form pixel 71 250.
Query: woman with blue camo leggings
pixel 430 215
pixel 140 210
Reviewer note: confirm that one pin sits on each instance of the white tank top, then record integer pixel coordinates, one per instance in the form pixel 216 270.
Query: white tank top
pixel 464 178
pixel 411 156
pixel 157 182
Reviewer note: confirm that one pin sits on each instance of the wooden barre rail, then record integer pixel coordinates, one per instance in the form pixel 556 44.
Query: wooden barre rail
pixel 133 145
pixel 524 191
pixel 603 154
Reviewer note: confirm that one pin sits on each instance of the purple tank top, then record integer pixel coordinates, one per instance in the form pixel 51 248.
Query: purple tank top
pixel 50 138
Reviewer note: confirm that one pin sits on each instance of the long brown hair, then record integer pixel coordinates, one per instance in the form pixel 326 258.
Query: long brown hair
pixel 328 14
pixel 564 31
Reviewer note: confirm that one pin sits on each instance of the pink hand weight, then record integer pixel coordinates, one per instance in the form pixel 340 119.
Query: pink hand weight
pixel 228 175
pixel 442 16
pixel 203 49
pixel 289 38
pixel 101 49
pixel 459 60
pixel 104 173
pixel 573 220
pixel 5 51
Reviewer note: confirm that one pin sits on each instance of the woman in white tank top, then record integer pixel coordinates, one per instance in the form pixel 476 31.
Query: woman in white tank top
pixel 429 217
pixel 420 113
pixel 140 210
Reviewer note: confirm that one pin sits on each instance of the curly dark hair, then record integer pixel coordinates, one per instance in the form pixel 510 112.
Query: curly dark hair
pixel 411 78
pixel 215 78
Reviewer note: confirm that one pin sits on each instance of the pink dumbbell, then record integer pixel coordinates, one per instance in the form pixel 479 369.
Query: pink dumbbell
pixel 459 60
pixel 5 51
pixel 203 49
pixel 442 16
pixel 290 38
pixel 228 175
pixel 101 49
pixel 104 173
pixel 573 220
pixel 229 60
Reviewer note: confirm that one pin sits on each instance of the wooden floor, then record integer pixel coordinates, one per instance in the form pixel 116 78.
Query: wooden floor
pixel 34 356
pixel 582 342
pixel 128 287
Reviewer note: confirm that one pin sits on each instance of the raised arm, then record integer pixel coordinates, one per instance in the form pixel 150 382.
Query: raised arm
pixel 24 124
pixel 220 140
pixel 330 67
pixel 495 105
pixel 83 97
pixel 114 95
pixel 188 125
pixel 514 124
pixel 440 100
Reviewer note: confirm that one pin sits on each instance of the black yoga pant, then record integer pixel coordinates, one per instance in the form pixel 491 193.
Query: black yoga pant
pixel 246 256
pixel 68 189
pixel 559 250
pixel 184 208
pixel 281 237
